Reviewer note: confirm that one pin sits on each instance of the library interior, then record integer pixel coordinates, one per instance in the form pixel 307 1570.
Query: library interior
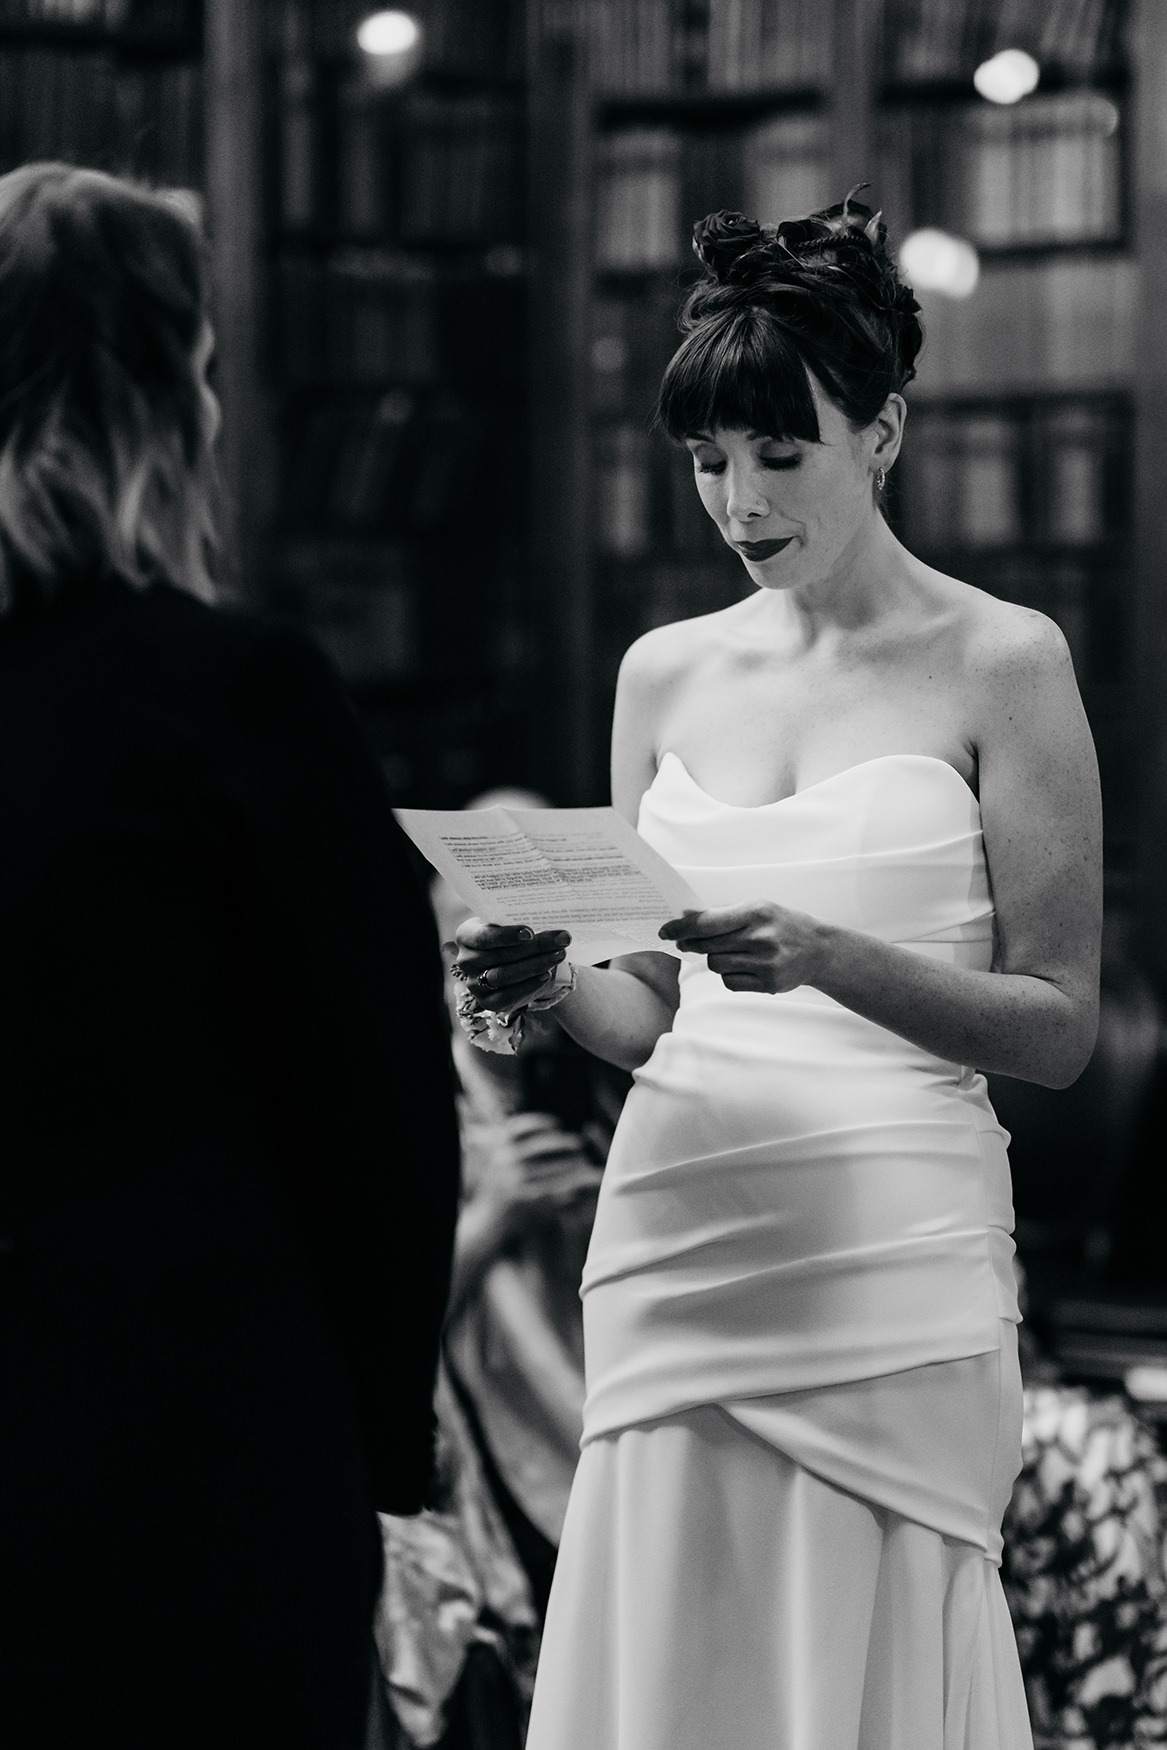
pixel 449 241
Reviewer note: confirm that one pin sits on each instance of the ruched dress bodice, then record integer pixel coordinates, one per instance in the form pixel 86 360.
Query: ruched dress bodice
pixel 797 1197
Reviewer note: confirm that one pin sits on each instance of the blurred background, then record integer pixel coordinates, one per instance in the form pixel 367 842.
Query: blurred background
pixel 450 240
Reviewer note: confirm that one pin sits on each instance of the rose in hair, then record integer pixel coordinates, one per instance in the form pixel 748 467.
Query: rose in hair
pixel 722 238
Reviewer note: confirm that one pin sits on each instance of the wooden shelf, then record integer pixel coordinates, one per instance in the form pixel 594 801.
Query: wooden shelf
pixel 126 45
pixel 945 92
pixel 704 109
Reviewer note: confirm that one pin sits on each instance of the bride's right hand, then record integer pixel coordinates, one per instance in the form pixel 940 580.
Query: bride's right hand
pixel 502 965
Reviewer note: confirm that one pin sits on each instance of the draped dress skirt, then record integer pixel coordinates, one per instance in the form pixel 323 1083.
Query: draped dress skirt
pixel 803 1411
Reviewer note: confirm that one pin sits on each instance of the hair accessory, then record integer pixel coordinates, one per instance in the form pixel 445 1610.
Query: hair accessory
pixel 839 249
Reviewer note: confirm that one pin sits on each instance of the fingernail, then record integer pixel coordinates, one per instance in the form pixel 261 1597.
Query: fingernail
pixel 563 938
pixel 526 935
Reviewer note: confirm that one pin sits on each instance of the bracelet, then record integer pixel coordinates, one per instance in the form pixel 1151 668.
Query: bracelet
pixel 562 984
pixel 502 1032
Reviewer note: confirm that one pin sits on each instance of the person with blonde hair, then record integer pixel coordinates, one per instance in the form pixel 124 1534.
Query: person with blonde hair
pixel 229 1149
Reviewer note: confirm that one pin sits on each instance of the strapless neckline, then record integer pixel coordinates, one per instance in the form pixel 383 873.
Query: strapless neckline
pixel 835 778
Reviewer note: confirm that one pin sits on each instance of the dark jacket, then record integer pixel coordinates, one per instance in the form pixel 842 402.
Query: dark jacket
pixel 228 1156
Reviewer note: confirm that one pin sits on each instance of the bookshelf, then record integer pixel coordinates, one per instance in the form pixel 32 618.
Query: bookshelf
pixel 393 291
pixel 116 84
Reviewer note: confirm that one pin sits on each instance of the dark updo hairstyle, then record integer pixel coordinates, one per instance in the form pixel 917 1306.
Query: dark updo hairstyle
pixel 819 294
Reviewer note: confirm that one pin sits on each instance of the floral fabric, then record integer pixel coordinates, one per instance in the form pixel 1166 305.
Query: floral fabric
pixel 1085 1575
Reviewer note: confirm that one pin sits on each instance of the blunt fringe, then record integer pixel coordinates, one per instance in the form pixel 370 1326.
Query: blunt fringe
pixel 105 455
pixel 742 372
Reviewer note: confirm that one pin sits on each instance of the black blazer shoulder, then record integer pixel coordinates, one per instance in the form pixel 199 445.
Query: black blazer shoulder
pixel 208 872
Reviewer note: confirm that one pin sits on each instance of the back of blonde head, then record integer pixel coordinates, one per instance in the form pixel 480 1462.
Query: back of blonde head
pixel 105 459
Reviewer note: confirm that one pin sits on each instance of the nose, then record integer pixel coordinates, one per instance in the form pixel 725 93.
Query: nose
pixel 744 502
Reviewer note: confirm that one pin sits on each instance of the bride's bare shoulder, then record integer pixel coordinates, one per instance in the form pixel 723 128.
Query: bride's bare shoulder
pixel 1002 638
pixel 668 654
pixel 990 634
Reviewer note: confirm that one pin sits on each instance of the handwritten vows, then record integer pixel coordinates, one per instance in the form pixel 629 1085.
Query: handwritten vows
pixel 579 869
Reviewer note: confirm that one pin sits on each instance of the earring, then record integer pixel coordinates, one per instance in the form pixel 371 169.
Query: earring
pixel 880 479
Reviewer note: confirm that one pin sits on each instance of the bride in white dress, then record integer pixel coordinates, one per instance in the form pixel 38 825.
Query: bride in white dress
pixel 803 1405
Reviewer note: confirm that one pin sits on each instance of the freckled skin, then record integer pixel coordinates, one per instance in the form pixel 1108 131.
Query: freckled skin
pixel 849 648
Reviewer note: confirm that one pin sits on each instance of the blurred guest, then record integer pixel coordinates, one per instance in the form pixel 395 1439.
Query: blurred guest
pixel 468 1582
pixel 230 1149
pixel 1084 1569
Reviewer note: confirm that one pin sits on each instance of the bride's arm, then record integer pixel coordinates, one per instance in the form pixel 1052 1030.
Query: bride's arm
pixel 619 1012
pixel 1035 1015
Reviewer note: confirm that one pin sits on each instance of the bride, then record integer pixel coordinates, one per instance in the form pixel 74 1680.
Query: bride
pixel 803 1400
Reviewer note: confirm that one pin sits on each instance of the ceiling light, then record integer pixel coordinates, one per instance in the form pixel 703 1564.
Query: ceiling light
pixel 391 46
pixel 934 261
pixel 1007 77
pixel 389 33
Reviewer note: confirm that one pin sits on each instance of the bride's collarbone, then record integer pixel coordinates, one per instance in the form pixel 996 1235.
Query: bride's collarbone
pixel 750 734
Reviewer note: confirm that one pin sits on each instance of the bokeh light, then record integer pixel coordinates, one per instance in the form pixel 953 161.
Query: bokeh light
pixel 389 33
pixel 935 261
pixel 391 45
pixel 1007 77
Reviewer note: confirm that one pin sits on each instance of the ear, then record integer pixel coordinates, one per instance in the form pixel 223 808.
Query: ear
pixel 887 431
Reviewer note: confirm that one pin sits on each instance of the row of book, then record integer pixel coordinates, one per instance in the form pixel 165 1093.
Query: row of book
pixel 89 106
pixel 95 14
pixel 658 47
pixel 382 609
pixel 1049 171
pixel 945 40
pixel 153 24
pixel 984 477
pixel 462 171
pixel 652 182
pixel 408 462
pixel 478 39
pixel 442 169
pixel 381 316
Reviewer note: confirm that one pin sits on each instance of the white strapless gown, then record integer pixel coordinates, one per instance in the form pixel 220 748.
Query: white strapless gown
pixel 803 1413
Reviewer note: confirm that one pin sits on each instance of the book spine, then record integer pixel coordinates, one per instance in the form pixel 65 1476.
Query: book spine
pixel 638 198
pixel 623 496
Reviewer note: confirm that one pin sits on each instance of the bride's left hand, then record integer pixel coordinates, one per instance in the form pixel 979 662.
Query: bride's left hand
pixel 759 946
